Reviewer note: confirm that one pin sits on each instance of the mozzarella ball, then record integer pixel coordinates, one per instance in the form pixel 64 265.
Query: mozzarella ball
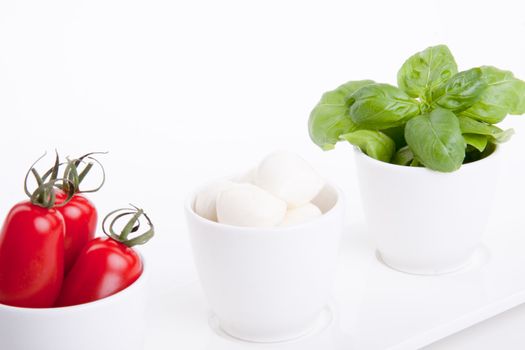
pixel 301 214
pixel 249 205
pixel 205 202
pixel 289 177
pixel 248 177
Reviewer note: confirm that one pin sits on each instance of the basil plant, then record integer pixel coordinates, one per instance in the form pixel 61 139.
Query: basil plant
pixel 436 117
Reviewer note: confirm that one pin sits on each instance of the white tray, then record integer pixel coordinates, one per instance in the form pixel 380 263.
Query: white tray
pixel 374 307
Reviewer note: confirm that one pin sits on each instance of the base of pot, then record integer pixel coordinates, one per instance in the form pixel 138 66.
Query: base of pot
pixel 479 257
pixel 323 321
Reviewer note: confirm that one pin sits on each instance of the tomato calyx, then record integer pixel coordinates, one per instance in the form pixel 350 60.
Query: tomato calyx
pixel 75 175
pixel 132 226
pixel 44 195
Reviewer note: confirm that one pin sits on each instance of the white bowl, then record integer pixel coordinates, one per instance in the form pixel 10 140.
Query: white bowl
pixel 424 221
pixel 115 322
pixel 268 284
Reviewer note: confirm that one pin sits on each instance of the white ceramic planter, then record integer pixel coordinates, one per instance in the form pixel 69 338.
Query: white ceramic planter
pixel 423 221
pixel 268 284
pixel 115 322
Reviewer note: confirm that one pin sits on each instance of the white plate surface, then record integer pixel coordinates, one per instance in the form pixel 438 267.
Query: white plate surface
pixel 374 307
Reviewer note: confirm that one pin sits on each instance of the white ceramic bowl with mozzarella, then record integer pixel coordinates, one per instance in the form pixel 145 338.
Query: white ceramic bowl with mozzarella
pixel 115 322
pixel 268 284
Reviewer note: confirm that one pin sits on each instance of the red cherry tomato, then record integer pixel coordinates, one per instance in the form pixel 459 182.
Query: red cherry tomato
pixel 106 266
pixel 103 268
pixel 80 216
pixel 31 256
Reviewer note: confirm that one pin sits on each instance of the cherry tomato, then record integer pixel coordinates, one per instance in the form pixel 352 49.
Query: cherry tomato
pixel 106 266
pixel 31 256
pixel 103 268
pixel 80 216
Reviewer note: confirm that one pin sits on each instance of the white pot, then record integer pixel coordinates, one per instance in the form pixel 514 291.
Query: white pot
pixel 424 221
pixel 268 284
pixel 115 322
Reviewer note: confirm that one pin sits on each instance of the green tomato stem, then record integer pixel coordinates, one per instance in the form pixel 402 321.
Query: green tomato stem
pixel 132 226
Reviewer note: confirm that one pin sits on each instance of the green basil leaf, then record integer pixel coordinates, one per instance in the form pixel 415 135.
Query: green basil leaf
pixel 415 163
pixel 353 85
pixel 436 140
pixel 477 141
pixel 403 156
pixel 329 119
pixel 503 136
pixel 374 143
pixel 425 70
pixel 472 126
pixel 520 107
pixel 504 95
pixel 461 91
pixel 381 106
pixel 397 134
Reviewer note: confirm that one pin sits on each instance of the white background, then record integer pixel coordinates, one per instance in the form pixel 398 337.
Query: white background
pixel 181 92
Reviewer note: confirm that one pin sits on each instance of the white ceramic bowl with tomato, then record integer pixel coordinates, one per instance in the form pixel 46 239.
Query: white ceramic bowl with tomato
pixel 114 322
pixel 268 284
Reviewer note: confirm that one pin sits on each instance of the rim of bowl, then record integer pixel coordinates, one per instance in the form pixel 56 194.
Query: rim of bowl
pixel 190 200
pixel 491 157
pixel 110 299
